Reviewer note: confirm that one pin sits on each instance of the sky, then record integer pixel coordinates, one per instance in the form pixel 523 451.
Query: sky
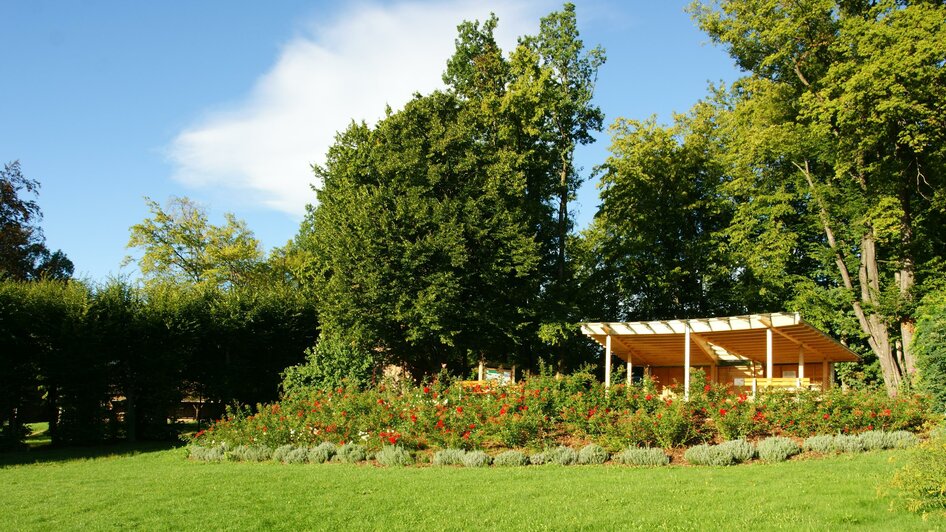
pixel 229 103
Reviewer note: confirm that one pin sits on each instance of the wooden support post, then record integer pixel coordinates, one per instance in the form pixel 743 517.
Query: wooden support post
pixel 514 374
pixel 482 369
pixel 714 373
pixel 768 354
pixel 824 375
pixel 607 361
pixel 831 374
pixel 630 371
pixel 686 363
pixel 801 362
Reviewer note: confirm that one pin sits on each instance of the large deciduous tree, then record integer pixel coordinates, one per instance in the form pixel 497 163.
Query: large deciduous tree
pixel 179 244
pixel 23 251
pixel 663 207
pixel 840 128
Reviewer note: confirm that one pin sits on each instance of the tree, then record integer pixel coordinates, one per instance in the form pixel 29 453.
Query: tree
pixel 657 229
pixel 930 346
pixel 839 129
pixel 423 252
pixel 23 251
pixel 179 244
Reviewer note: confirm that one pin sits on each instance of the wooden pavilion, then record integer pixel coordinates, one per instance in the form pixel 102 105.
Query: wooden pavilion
pixel 776 349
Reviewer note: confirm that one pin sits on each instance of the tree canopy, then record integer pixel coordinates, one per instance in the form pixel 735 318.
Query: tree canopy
pixel 23 251
pixel 179 244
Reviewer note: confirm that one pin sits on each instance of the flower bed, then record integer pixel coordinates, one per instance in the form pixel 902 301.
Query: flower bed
pixel 544 412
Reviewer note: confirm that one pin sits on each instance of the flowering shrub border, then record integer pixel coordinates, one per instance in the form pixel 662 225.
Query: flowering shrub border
pixel 543 412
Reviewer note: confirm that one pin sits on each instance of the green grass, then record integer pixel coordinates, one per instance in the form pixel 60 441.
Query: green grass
pixel 149 487
pixel 39 435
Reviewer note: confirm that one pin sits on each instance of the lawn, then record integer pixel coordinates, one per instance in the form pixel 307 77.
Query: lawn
pixel 151 487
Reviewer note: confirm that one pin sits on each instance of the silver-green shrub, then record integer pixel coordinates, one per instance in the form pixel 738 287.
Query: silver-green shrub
pixel 637 456
pixel 393 456
pixel 821 444
pixel 741 450
pixel 902 439
pixel 510 459
pixel 322 452
pixel 349 453
pixel 848 443
pixel 207 454
pixel 279 454
pixel 538 458
pixel 561 455
pixel 298 455
pixel 445 457
pixel 709 455
pixel 251 453
pixel 875 440
pixel 592 454
pixel 476 459
pixel 777 449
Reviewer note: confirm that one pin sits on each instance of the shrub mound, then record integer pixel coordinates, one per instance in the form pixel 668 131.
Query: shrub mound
pixel 393 456
pixel 476 459
pixel 350 453
pixel 777 449
pixel 637 456
pixel 445 457
pixel 592 454
pixel 922 481
pixel 726 453
pixel 510 459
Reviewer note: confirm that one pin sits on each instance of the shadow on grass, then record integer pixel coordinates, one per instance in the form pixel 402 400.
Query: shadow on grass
pixel 48 453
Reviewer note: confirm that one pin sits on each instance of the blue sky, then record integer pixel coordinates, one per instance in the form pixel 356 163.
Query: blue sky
pixel 228 103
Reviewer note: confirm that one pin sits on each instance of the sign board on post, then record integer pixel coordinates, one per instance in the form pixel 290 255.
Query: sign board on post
pixel 501 377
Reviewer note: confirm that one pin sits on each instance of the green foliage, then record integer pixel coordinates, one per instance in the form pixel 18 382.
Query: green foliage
pixel 111 361
pixel 510 459
pixel 23 252
pixel 705 454
pixel 251 453
pixel 215 453
pixel 823 444
pixel 393 456
pixel 350 453
pixel 179 244
pixel 445 457
pixel 636 456
pixel 834 159
pixel 741 450
pixel 777 449
pixel 930 347
pixel 330 364
pixel 322 452
pixel 922 481
pixel 592 454
pixel 561 455
pixel 476 459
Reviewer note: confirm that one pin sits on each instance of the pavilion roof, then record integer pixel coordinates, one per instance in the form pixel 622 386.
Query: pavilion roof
pixel 719 340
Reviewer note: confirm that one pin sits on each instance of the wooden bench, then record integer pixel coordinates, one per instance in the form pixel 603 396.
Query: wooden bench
pixel 788 383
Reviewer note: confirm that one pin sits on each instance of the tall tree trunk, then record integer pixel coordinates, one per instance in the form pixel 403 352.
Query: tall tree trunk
pixel 560 252
pixel 872 324
pixel 906 279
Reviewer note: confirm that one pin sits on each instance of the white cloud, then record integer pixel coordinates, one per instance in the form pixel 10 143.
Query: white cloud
pixel 367 57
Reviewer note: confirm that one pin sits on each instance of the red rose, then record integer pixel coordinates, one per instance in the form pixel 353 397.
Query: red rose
pixel 722 411
pixel 426 389
pixel 649 397
pixel 459 410
pixel 707 388
pixel 826 416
